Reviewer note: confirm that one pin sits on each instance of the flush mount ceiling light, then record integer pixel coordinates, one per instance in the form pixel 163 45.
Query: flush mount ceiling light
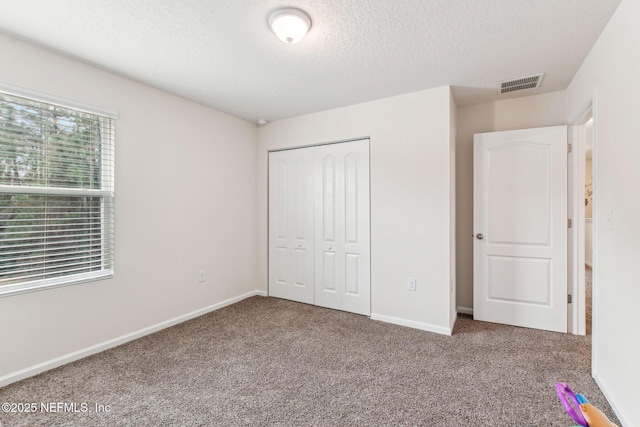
pixel 290 25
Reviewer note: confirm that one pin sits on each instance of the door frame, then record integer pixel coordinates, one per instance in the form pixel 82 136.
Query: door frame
pixel 576 254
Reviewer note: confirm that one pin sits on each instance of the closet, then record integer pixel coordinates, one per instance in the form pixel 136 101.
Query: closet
pixel 319 233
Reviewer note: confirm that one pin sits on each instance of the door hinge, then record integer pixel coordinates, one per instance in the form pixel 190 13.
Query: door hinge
pixel 569 148
pixel 569 223
pixel 569 299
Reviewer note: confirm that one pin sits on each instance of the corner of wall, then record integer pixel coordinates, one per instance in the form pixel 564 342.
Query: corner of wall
pixel 453 120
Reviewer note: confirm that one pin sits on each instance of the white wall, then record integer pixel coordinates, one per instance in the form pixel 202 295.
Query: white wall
pixel 519 113
pixel 410 209
pixel 611 70
pixel 185 201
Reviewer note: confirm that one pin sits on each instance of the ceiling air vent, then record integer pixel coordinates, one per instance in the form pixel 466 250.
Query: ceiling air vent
pixel 520 84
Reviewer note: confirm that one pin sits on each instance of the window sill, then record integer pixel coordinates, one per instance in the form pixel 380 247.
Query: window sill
pixel 58 282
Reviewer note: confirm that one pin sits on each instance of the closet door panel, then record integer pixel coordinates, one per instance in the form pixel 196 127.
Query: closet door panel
pixel 291 225
pixel 342 193
pixel 328 201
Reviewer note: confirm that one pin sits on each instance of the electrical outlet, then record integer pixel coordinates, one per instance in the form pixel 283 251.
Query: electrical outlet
pixel 411 283
pixel 201 276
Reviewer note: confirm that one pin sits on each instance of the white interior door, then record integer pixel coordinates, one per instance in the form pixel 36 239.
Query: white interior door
pixel 520 226
pixel 291 225
pixel 342 232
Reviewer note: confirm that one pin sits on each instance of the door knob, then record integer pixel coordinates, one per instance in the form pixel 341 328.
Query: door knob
pixel 299 245
pixel 479 236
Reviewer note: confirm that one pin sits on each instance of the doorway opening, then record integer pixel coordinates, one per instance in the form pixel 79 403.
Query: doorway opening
pixel 582 212
pixel 588 225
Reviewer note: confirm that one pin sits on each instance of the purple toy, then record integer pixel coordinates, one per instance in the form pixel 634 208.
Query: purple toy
pixel 571 405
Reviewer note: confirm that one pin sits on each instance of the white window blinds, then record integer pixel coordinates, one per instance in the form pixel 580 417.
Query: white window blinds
pixel 56 195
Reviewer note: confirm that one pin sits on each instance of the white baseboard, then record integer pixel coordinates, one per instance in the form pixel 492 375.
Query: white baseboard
pixel 465 310
pixel 412 324
pixel 85 352
pixel 611 400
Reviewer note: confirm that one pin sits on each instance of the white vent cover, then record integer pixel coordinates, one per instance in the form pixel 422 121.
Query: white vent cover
pixel 522 83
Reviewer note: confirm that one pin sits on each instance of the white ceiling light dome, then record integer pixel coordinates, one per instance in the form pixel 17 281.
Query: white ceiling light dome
pixel 290 25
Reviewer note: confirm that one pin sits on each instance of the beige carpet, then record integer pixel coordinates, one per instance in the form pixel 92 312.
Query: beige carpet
pixel 266 361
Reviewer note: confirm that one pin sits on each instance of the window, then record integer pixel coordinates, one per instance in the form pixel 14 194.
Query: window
pixel 56 194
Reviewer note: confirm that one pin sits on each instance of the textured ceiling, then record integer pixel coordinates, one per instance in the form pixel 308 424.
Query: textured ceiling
pixel 221 52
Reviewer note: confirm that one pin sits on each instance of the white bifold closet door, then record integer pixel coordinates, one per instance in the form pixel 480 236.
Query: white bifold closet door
pixel 319 233
pixel 291 225
pixel 342 235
